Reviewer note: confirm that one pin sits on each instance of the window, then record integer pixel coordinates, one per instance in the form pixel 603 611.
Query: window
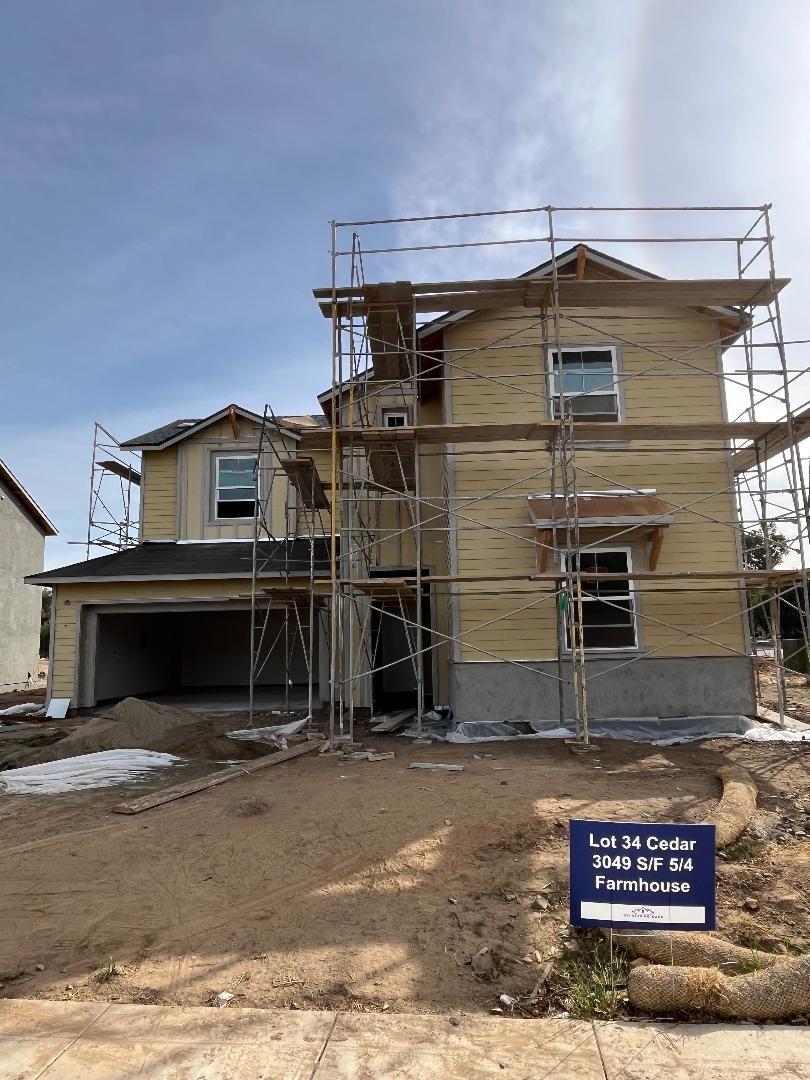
pixel 588 383
pixel 395 417
pixel 608 607
pixel 235 486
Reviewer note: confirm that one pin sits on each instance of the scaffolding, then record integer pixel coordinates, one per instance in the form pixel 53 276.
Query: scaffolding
pixel 285 558
pixel 114 472
pixel 386 366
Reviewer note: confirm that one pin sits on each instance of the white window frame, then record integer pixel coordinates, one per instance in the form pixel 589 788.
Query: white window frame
pixel 553 352
pixel 388 413
pixel 630 595
pixel 215 486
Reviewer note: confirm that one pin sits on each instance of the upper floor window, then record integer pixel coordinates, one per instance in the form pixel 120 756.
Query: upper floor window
pixel 234 486
pixel 608 607
pixel 395 417
pixel 584 381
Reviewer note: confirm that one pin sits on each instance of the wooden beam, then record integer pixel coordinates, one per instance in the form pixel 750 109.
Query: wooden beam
pixel 179 791
pixel 582 258
pixel 585 293
pixel 304 477
pixel 657 536
pixel 544 536
pixel 546 431
pixel 234 419
pixel 752 577
pixel 776 439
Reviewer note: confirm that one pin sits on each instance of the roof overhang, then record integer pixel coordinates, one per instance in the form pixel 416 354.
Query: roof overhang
pixel 28 504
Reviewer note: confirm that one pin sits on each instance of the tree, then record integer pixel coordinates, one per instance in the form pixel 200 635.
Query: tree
pixel 753 544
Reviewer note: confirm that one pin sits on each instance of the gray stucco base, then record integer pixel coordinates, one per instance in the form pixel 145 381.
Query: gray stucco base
pixel 676 686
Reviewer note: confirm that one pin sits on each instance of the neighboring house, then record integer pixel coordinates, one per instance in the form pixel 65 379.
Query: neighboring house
pixel 23 528
pixel 172 614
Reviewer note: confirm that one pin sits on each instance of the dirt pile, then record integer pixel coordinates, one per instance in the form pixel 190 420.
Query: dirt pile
pixel 145 725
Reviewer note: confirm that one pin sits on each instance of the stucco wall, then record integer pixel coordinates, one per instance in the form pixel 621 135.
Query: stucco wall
pixel 654 686
pixel 22 551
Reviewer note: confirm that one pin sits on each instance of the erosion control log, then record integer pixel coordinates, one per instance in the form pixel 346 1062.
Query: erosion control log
pixel 772 994
pixel 685 949
pixel 736 806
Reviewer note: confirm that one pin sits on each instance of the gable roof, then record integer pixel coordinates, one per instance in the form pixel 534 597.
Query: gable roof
pixel 174 432
pixel 31 508
pixel 593 255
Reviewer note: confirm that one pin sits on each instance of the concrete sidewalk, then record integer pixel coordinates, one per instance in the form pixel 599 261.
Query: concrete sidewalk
pixel 61 1040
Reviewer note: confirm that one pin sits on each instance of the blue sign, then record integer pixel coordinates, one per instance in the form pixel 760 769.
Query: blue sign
pixel 628 874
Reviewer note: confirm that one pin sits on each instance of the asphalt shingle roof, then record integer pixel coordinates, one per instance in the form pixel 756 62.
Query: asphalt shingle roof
pixel 171 560
pixel 158 436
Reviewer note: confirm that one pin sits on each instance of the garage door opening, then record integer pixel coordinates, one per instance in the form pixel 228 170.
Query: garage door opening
pixel 186 657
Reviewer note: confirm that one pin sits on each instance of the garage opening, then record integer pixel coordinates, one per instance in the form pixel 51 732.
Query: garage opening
pixel 183 656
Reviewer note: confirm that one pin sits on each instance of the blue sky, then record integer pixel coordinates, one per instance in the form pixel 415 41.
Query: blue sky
pixel 168 171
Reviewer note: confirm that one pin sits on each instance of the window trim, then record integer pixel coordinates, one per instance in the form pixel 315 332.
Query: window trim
pixel 230 455
pixel 613 350
pixel 397 411
pixel 626 550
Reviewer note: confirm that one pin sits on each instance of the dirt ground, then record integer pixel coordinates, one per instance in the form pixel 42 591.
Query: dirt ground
pixel 797 691
pixel 321 884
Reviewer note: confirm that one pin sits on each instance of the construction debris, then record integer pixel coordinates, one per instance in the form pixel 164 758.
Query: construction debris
pixel 389 722
pixel 435 765
pixel 368 755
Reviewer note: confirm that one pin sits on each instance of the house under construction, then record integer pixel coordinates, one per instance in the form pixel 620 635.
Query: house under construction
pixel 541 485
pixel 527 496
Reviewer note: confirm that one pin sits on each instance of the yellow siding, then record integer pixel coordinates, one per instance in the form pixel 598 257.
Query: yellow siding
pixel 515 387
pixel 176 493
pixel 159 494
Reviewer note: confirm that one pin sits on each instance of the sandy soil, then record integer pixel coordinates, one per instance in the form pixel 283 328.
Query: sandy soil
pixel 321 883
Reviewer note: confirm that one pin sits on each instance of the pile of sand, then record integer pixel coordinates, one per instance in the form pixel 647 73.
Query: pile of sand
pixel 145 725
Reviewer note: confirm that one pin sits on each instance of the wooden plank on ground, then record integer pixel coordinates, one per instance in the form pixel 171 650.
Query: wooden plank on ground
pixel 394 721
pixel 179 791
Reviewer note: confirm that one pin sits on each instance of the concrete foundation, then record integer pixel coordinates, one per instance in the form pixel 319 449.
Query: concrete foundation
pixel 672 686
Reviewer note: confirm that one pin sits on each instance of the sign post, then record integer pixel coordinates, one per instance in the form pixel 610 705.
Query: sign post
pixel 629 875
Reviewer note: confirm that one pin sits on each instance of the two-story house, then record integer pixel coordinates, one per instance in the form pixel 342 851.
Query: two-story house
pixel 173 613
pixel 449 477
pixel 667 634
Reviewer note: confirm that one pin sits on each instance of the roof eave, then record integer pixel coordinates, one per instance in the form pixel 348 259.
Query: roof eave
pixel 201 425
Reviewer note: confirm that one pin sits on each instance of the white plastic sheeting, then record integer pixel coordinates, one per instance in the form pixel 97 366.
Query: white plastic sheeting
pixel 654 730
pixel 104 769
pixel 273 735
pixel 26 708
